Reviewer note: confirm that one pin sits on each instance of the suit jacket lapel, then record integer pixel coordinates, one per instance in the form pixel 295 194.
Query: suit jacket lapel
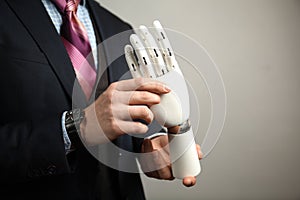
pixel 112 43
pixel 35 18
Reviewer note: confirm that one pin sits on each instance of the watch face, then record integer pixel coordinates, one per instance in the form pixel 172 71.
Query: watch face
pixel 73 120
pixel 78 115
pixel 72 123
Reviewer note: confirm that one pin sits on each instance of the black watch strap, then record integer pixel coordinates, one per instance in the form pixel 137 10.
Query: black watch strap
pixel 73 120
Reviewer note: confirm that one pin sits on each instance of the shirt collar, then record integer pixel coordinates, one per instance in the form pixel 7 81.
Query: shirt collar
pixel 83 2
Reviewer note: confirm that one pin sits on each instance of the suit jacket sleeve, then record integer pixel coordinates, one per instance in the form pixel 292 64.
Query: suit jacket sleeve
pixel 32 102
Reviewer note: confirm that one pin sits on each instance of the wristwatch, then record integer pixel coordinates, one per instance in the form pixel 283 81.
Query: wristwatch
pixel 73 120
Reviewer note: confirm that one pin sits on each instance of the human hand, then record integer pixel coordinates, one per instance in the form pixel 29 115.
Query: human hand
pixel 115 110
pixel 159 159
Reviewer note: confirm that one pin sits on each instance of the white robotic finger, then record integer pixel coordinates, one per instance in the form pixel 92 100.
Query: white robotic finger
pixel 131 62
pixel 144 62
pixel 161 36
pixel 153 51
pixel 166 47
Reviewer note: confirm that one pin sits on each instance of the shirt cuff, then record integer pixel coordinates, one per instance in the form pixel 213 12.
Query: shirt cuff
pixel 67 140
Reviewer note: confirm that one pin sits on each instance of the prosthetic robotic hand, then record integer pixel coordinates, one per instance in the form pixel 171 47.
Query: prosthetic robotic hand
pixel 152 57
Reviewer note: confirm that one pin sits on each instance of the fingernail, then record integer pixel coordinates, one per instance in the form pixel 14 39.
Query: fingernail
pixel 167 88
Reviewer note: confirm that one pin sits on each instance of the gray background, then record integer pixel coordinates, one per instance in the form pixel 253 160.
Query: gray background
pixel 256 44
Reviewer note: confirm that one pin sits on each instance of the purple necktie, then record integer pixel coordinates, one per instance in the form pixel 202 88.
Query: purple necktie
pixel 75 39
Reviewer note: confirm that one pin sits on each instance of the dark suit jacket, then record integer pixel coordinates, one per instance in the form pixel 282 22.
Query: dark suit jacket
pixel 36 84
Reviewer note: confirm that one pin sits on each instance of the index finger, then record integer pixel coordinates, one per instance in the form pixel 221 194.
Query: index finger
pixel 142 84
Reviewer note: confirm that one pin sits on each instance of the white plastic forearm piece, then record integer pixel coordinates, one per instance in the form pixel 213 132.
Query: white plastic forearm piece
pixel 184 157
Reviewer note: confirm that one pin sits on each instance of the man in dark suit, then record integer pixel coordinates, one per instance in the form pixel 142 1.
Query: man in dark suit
pixel 37 82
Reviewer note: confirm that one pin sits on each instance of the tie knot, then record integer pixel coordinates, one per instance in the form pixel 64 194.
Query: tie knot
pixel 65 6
pixel 71 5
